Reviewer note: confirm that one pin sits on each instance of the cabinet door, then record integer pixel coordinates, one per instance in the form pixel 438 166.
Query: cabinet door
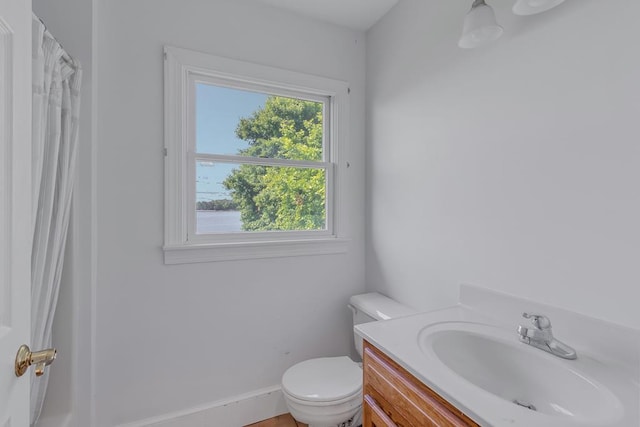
pixel 403 398
pixel 374 416
pixel 392 412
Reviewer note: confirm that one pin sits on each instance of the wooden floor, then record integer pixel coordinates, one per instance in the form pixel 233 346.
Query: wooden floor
pixel 285 420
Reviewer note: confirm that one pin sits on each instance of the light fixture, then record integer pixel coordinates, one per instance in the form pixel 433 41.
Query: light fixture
pixel 531 7
pixel 480 26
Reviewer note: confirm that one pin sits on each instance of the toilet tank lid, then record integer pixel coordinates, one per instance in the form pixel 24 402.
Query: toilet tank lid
pixel 380 307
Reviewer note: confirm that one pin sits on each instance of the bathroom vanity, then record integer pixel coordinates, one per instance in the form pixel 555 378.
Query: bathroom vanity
pixel 475 364
pixel 393 397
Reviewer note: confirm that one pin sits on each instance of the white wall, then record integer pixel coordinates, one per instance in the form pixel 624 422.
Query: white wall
pixel 514 167
pixel 169 338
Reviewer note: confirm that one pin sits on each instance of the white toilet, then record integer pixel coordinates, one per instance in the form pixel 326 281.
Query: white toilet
pixel 327 391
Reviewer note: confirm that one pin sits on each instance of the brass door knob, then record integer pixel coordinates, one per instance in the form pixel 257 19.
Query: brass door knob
pixel 26 358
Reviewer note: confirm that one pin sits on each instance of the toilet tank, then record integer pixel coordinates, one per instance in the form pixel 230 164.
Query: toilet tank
pixel 372 307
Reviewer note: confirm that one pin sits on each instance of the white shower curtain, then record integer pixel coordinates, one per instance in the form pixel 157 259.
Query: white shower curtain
pixel 56 105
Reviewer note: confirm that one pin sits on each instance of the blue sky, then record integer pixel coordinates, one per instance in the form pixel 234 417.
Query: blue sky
pixel 218 111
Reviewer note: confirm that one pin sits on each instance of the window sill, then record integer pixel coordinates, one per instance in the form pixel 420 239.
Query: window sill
pixel 188 254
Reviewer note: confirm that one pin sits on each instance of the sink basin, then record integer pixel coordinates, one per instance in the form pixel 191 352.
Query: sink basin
pixel 493 360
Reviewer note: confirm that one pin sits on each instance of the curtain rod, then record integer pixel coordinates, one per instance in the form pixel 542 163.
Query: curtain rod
pixel 65 56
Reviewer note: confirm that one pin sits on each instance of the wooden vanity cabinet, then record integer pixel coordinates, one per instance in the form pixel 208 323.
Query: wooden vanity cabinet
pixel 395 398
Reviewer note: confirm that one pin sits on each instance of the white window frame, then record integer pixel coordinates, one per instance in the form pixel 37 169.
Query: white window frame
pixel 183 68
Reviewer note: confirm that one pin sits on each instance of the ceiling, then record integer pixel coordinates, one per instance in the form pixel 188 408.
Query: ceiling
pixel 355 14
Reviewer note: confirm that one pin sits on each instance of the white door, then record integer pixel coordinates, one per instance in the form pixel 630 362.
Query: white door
pixel 15 205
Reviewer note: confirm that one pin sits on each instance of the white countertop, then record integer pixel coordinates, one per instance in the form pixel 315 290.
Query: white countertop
pixel 398 338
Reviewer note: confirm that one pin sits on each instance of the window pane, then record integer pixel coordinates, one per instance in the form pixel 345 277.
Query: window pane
pixel 238 122
pixel 247 197
pixel 215 210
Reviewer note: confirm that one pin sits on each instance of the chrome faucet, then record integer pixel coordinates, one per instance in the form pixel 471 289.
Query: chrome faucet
pixel 540 336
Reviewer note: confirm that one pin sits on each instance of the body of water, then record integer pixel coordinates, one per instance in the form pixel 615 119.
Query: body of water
pixel 218 222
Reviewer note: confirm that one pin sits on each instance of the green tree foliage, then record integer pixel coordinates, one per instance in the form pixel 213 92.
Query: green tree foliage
pixel 280 198
pixel 216 205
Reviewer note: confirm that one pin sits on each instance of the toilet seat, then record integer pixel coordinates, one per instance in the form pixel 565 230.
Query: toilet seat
pixel 354 399
pixel 322 381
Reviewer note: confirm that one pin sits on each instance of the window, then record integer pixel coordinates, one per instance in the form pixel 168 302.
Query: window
pixel 259 161
pixel 252 160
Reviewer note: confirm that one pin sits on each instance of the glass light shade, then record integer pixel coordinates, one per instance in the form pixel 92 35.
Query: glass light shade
pixel 480 27
pixel 531 7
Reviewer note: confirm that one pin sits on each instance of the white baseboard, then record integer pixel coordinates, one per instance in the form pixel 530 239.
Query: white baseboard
pixel 237 411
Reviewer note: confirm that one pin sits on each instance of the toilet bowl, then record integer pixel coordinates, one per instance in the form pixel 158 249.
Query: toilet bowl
pixel 324 392
pixel 327 391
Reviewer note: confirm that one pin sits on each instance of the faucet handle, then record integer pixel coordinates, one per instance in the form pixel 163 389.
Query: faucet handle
pixel 540 321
